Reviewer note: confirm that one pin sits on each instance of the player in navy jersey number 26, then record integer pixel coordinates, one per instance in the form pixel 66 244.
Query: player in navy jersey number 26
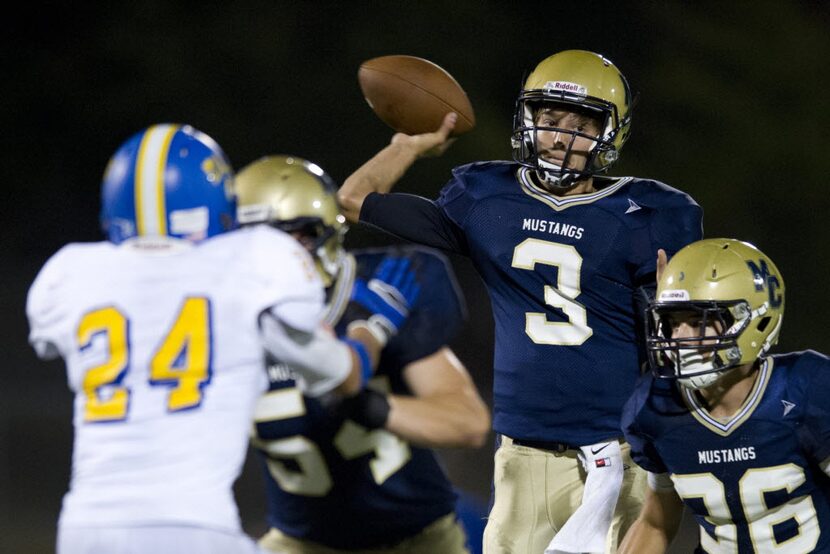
pixel 563 252
pixel 359 476
pixel 740 436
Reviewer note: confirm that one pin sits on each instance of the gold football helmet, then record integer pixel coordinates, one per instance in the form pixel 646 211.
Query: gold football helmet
pixel 724 283
pixel 298 197
pixel 578 81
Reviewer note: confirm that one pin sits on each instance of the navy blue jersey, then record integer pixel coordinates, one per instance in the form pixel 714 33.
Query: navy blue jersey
pixel 561 274
pixel 756 477
pixel 333 482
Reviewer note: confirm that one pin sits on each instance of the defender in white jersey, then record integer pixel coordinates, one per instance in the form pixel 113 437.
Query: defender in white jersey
pixel 164 329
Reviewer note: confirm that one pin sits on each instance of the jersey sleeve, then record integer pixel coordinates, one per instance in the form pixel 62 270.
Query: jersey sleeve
pixel 46 306
pixel 635 428
pixel 281 278
pixel 439 313
pixel 673 224
pixel 816 434
pixel 455 198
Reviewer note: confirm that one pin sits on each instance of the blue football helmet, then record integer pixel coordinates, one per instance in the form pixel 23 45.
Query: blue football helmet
pixel 168 180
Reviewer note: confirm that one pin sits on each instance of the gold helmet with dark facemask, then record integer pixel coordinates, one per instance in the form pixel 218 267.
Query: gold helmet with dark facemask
pixel 582 82
pixel 298 197
pixel 722 283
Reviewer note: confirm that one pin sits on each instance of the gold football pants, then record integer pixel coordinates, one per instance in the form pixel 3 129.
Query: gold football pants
pixel 537 490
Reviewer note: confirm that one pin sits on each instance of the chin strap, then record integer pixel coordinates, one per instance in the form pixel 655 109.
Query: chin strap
pixel 552 176
pixel 557 182
pixel 699 381
pixel 691 361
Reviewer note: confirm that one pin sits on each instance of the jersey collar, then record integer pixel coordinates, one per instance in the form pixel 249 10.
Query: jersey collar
pixel 725 428
pixel 560 203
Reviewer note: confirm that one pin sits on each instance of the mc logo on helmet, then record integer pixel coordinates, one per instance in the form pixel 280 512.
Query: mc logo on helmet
pixel 763 278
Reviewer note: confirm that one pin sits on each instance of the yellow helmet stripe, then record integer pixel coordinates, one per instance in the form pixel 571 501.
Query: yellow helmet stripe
pixel 150 211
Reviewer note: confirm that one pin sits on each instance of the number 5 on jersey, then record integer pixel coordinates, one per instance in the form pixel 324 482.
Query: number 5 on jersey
pixel 182 361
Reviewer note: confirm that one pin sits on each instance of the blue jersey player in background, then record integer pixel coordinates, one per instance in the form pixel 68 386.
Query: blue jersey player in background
pixel 358 475
pixel 740 436
pixel 565 253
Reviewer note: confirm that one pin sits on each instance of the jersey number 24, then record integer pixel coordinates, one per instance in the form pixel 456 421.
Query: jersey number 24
pixel 182 361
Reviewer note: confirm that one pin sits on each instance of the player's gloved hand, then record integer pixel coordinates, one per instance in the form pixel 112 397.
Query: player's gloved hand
pixel 388 297
pixel 368 408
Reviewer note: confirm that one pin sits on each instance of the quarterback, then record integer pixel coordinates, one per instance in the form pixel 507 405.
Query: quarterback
pixel 164 328
pixel 565 253
pixel 742 437
pixel 359 475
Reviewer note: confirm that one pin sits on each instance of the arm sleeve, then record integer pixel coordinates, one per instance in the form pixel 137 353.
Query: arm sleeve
pixel 413 218
pixel 320 361
pixel 284 288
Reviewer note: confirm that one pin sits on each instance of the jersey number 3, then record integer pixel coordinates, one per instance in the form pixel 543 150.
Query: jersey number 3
pixel 568 262
pixel 182 361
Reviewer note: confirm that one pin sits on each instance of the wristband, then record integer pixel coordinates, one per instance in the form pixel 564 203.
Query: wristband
pixel 366 370
pixel 375 326
pixel 369 408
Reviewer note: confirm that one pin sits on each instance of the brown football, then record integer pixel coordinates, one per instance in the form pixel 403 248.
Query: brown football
pixel 412 95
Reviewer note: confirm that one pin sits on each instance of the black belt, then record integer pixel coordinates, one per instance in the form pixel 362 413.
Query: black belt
pixel 545 445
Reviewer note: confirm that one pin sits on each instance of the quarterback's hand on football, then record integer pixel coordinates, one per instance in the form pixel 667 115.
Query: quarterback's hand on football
pixel 429 144
pixel 388 297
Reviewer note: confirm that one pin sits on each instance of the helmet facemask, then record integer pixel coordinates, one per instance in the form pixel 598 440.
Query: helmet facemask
pixel 323 242
pixel 601 152
pixel 725 283
pixel 697 361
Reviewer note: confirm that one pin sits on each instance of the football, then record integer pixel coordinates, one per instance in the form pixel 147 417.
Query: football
pixel 412 95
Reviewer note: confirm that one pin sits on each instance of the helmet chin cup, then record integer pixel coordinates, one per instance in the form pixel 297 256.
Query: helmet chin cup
pixel 695 372
pixel 699 381
pixel 552 176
